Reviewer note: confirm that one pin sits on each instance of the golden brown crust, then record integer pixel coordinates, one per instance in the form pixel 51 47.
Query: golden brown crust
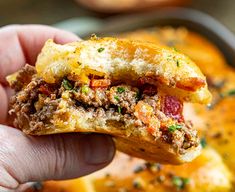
pixel 126 60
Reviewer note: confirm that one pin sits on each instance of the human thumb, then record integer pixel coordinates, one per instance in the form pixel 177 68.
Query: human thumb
pixel 36 158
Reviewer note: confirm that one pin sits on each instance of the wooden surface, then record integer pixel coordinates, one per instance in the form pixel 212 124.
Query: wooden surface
pixel 52 11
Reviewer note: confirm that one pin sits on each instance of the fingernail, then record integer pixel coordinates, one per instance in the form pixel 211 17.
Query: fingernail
pixel 99 149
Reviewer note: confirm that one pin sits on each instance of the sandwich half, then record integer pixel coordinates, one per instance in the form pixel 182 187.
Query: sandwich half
pixel 131 90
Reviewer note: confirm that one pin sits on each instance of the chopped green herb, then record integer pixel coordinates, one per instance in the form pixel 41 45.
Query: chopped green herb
pixel 100 49
pixel 180 182
pixel 173 128
pixel 186 180
pixel 153 167
pixel 137 184
pixel 139 168
pixel 120 89
pixel 175 49
pixel 117 98
pixel 67 85
pixel 119 109
pixel 229 93
pixel 169 58
pixel 85 89
pixel 74 90
pixel 137 95
pixel 203 142
pixel 177 63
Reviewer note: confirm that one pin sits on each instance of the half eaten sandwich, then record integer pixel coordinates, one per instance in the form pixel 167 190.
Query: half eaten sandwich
pixel 131 90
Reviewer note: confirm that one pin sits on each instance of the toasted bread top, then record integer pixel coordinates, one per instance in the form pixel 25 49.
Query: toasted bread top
pixel 125 60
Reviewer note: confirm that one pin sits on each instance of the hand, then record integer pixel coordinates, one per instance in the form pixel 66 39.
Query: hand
pixel 26 158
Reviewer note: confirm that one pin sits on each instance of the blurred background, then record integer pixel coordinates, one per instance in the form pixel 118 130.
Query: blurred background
pixel 87 16
pixel 53 11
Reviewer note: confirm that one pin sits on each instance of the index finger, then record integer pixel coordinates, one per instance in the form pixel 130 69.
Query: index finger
pixel 21 44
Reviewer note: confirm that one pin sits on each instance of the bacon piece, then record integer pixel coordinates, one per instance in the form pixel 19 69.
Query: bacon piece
pixel 173 107
pixel 147 80
pixel 153 80
pixel 192 84
pixel 150 90
pixel 45 89
pixel 100 83
pixel 149 85
pixel 151 130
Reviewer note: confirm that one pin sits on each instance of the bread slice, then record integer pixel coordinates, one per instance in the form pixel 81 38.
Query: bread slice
pixel 131 90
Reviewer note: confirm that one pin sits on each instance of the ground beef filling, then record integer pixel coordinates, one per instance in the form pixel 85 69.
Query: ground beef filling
pixel 36 101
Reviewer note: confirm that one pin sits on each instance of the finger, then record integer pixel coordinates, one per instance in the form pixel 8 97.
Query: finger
pixel 21 44
pixel 3 105
pixel 26 158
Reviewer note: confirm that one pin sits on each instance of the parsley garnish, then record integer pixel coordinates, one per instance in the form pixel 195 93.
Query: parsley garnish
pixel 229 93
pixel 177 63
pixel 100 49
pixel 175 49
pixel 180 182
pixel 153 167
pixel 119 109
pixel 117 98
pixel 138 169
pixel 85 89
pixel 173 128
pixel 67 85
pixel 138 95
pixel 203 142
pixel 120 89
pixel 74 90
pixel 137 184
